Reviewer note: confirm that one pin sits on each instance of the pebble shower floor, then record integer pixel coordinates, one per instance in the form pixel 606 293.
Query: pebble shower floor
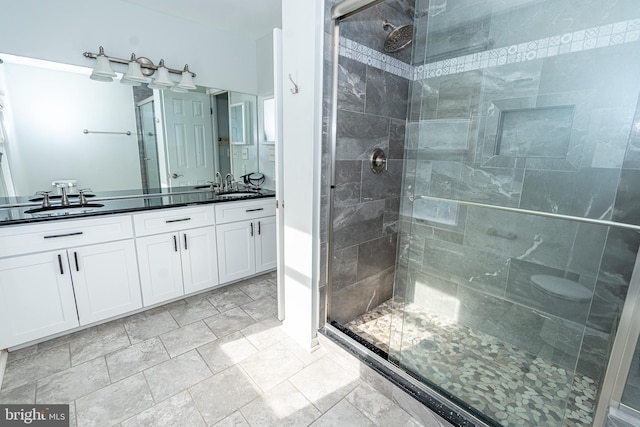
pixel 499 380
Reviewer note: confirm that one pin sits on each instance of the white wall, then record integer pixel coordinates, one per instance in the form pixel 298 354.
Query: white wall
pixel 61 30
pixel 46 141
pixel 264 64
pixel 302 37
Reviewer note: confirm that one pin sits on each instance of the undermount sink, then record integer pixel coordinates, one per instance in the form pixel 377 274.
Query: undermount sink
pixel 199 187
pixel 63 210
pixel 238 194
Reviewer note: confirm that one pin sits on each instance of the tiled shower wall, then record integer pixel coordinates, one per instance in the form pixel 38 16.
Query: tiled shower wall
pixel 472 71
pixel 372 110
pixel 574 152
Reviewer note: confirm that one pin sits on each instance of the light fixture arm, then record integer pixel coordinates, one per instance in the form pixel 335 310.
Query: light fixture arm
pixel 148 68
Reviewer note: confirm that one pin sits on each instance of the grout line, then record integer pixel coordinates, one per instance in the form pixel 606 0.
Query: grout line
pixel 75 413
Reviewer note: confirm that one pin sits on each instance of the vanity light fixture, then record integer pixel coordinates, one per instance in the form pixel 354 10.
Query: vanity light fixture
pixel 187 79
pixel 138 71
pixel 162 77
pixel 134 75
pixel 102 72
pixel 186 82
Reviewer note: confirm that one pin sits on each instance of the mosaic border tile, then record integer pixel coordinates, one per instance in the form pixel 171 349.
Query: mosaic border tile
pixel 368 56
pixel 577 41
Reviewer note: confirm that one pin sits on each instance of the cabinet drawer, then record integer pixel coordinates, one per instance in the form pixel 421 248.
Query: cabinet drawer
pixel 169 220
pixel 241 210
pixel 58 234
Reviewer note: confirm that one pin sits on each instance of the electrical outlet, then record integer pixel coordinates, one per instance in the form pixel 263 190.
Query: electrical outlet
pixel 245 153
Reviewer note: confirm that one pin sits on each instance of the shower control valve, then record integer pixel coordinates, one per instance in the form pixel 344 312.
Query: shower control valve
pixel 378 161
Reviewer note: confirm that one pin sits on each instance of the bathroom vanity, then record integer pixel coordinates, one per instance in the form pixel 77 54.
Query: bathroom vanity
pixel 60 273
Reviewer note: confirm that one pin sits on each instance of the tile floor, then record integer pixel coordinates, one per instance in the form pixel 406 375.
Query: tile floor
pixel 219 358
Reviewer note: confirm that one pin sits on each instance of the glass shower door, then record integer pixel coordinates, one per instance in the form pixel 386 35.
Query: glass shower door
pixel 520 162
pixel 149 152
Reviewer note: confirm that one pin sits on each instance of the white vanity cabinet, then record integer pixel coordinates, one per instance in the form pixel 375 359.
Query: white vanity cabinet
pixel 62 274
pixel 177 252
pixel 105 280
pixel 246 235
pixel 36 298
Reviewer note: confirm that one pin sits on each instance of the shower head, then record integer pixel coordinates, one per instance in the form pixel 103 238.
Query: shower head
pixel 399 37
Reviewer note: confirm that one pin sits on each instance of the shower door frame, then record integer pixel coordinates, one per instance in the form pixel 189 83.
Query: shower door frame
pixel 339 11
pixel 628 330
pixel 342 10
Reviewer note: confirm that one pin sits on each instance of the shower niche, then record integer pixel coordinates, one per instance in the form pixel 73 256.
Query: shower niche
pixel 520 134
pixel 535 132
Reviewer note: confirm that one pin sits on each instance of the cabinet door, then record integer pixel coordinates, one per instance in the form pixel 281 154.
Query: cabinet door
pixel 36 297
pixel 105 279
pixel 199 259
pixel 160 268
pixel 266 251
pixel 236 253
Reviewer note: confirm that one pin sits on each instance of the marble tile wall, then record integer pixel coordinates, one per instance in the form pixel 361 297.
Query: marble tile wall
pixel 472 61
pixel 366 205
pixel 526 61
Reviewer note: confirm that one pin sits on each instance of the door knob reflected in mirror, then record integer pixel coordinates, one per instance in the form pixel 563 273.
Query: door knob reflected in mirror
pixel 175 175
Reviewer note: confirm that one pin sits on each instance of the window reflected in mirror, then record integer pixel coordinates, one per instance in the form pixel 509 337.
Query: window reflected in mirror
pixel 237 120
pixel 269 120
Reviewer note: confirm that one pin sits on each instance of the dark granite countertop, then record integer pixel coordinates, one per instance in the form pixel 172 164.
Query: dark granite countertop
pixel 116 202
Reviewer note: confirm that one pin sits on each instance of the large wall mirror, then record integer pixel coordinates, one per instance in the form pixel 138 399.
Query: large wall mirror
pixel 58 125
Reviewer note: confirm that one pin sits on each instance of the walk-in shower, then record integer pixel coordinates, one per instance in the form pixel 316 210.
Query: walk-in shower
pixel 492 257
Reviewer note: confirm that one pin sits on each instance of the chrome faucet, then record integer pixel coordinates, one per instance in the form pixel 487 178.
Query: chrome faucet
pixel 83 198
pixel 219 180
pixel 64 201
pixel 46 203
pixel 228 182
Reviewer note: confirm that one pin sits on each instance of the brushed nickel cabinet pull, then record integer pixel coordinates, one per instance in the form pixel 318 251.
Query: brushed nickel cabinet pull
pixel 251 229
pixel 75 256
pixel 254 210
pixel 185 241
pixel 175 243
